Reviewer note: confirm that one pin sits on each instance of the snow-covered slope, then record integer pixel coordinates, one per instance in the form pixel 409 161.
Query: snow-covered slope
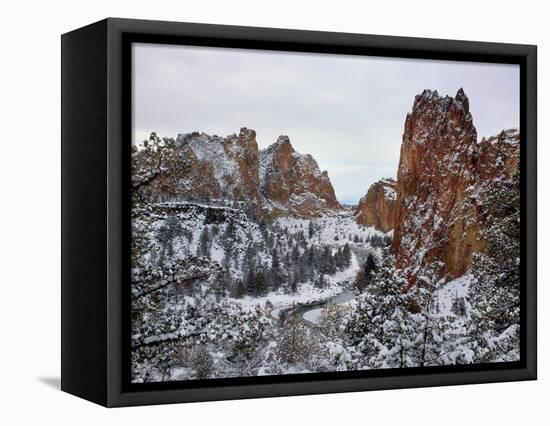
pixel 228 237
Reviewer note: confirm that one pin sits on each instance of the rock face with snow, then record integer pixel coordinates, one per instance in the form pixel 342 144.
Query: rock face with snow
pixel 442 171
pixel 377 207
pixel 220 168
pixel 273 182
pixel 292 182
pixel 243 151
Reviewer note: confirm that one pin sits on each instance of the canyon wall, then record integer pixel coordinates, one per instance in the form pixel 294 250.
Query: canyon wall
pixel 377 208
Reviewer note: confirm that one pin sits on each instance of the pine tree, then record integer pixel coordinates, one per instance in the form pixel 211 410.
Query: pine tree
pixel 321 281
pixel 293 346
pixel 338 259
pixel 201 361
pixel 293 284
pixel 327 265
pixel 227 257
pixel 347 255
pixel 239 289
pixel 366 275
pixel 203 248
pixel 495 291
pixel 157 162
pixel 170 229
pixel 381 326
pixel 295 255
pixel 249 259
pixel 276 276
pixel 230 232
pixel 433 337
pixel 458 306
pixel 260 283
pixel 222 284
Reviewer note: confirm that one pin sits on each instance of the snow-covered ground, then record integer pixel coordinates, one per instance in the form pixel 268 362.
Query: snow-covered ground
pixel 444 296
pixel 446 293
pixel 331 229
pixel 313 315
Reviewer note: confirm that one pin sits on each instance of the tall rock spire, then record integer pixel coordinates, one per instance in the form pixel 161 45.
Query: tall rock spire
pixel 439 215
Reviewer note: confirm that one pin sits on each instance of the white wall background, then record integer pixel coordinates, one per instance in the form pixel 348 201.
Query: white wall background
pixel 30 211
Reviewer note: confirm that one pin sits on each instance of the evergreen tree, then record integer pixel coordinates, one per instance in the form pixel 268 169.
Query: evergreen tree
pixel 293 346
pixel 321 281
pixel 458 306
pixel 170 229
pixel 433 337
pixel 201 361
pixel 239 289
pixel 230 232
pixel 346 251
pixel 366 275
pixel 203 248
pixel 260 283
pixel 293 284
pixel 227 257
pixel 249 283
pixel 222 284
pixel 327 265
pixel 381 326
pixel 495 291
pixel 338 259
pixel 295 256
pixel 276 273
pixel 249 258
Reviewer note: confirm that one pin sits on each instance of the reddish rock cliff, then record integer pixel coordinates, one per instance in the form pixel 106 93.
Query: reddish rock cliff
pixel 220 168
pixel 293 184
pixel 442 172
pixel 243 151
pixel 275 181
pixel 377 207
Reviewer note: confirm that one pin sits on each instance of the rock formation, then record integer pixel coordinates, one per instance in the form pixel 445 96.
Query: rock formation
pixel 273 182
pixel 377 207
pixel 292 182
pixel 440 180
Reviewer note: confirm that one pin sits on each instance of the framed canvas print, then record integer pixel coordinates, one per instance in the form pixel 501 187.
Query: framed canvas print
pixel 252 212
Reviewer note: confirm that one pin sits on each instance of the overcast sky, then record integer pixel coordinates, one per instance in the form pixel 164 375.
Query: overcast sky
pixel 346 111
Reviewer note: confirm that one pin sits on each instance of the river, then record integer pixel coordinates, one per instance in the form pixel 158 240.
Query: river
pixel 310 312
pixel 313 315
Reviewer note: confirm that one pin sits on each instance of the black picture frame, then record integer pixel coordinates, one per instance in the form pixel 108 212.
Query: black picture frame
pixel 96 117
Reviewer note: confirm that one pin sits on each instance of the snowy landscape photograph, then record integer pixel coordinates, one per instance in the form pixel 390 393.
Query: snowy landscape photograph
pixel 296 213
